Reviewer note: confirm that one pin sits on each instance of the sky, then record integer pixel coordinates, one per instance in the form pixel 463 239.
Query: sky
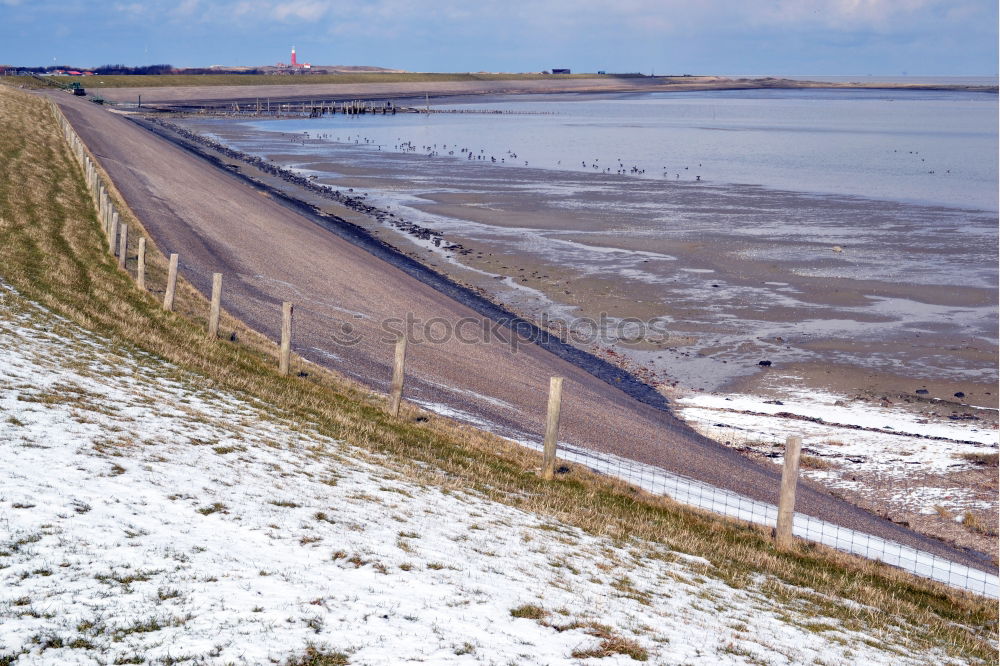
pixel 778 37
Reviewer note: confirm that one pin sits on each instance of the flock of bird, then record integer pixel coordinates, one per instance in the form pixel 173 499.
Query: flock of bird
pixel 618 168
pixel 509 156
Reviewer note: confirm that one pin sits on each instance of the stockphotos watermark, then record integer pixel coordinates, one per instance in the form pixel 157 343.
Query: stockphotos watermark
pixel 514 332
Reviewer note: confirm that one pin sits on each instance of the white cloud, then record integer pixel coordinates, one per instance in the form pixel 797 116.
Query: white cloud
pixel 187 7
pixel 302 10
pixel 553 18
pixel 133 8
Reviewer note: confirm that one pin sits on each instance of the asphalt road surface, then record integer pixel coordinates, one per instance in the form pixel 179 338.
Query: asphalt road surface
pixel 269 253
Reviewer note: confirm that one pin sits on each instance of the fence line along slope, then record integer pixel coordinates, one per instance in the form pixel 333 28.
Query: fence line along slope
pixel 52 252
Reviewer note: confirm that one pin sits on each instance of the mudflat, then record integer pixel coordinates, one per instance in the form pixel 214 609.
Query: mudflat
pixel 837 325
pixel 207 93
pixel 271 252
pixel 721 297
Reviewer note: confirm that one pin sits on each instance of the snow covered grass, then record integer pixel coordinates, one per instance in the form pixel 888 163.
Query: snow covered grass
pixel 873 437
pixel 150 517
pixel 905 461
pixel 230 495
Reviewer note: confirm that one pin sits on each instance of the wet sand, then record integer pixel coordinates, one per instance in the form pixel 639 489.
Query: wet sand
pixel 702 343
pixel 221 215
pixel 724 297
pixel 208 94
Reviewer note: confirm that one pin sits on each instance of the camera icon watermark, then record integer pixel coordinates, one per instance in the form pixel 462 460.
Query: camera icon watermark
pixel 514 332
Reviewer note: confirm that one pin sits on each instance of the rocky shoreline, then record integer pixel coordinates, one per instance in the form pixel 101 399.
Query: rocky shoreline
pixel 352 201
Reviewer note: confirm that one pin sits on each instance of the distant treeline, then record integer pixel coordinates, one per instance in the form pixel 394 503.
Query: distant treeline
pixel 145 70
pixel 154 70
pixel 216 70
pixel 142 69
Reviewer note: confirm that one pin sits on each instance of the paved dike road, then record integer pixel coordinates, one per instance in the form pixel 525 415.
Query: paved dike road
pixel 270 251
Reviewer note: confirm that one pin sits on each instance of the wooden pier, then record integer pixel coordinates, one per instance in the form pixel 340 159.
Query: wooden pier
pixel 266 108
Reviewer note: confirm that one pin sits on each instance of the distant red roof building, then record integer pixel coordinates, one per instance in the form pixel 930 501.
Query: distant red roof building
pixel 295 64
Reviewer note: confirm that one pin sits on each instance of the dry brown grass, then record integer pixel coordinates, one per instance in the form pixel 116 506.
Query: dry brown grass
pixel 982 459
pixel 613 645
pixel 143 81
pixel 53 252
pixel 29 82
pixel 529 612
pixel 973 523
pixel 814 462
pixel 314 656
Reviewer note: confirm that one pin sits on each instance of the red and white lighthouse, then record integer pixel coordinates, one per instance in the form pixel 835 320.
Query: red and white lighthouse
pixel 295 64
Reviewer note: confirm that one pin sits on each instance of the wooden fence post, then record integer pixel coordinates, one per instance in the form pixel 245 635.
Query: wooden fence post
pixel 398 374
pixel 786 504
pixel 140 267
pixel 285 357
pixel 168 298
pixel 102 211
pixel 552 428
pixel 213 317
pixel 112 233
pixel 122 244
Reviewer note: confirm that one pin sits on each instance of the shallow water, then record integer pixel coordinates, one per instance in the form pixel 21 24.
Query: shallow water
pixel 935 147
pixel 740 257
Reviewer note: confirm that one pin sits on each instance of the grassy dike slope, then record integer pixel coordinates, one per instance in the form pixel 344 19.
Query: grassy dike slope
pixel 52 252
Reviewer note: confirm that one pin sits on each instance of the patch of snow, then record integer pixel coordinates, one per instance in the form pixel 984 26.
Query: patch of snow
pixel 146 513
pixel 869 438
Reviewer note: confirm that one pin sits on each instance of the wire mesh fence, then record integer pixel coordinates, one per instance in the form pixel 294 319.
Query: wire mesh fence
pixel 733 505
pixel 650 478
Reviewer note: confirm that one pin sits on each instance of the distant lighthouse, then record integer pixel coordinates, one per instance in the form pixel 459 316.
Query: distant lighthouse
pixel 295 64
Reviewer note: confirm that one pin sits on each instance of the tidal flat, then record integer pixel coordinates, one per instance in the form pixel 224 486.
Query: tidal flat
pixel 759 293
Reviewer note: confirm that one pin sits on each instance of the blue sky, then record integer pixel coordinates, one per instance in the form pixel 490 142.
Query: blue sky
pixel 783 37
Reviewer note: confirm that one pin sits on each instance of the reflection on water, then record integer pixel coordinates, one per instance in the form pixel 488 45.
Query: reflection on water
pixel 726 262
pixel 924 146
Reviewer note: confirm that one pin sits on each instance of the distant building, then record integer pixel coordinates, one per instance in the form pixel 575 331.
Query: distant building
pixel 561 71
pixel 295 64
